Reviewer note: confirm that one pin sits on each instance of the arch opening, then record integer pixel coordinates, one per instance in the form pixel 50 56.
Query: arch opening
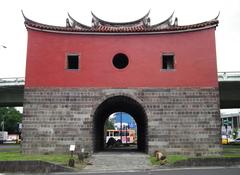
pixel 113 105
pixel 120 132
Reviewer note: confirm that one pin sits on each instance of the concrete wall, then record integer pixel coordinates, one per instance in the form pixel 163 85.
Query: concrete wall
pixel 179 120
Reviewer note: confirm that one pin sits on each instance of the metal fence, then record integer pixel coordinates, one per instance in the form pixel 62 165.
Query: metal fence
pixel 15 81
pixel 228 76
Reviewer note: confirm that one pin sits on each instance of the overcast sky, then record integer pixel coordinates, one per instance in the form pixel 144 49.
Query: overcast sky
pixel 13 33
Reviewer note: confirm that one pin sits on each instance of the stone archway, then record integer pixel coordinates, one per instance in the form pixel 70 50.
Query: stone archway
pixel 116 104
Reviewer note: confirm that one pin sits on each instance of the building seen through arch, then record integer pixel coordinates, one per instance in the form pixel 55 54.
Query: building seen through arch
pixel 120 132
pixel 164 75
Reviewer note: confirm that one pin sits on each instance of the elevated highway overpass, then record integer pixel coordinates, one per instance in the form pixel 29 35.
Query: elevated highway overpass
pixel 12 90
pixel 229 87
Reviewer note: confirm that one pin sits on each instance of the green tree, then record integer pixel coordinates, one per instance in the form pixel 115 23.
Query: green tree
pixel 109 124
pixel 235 133
pixel 11 118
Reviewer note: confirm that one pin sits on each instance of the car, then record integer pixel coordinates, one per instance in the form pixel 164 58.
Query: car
pixel 18 141
pixel 236 141
pixel 9 141
pixel 224 140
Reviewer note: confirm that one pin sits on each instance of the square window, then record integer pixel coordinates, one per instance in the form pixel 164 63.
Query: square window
pixel 72 62
pixel 168 62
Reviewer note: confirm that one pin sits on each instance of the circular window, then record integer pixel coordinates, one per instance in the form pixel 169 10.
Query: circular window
pixel 120 61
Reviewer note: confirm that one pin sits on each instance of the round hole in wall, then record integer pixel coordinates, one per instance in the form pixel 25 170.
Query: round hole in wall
pixel 120 61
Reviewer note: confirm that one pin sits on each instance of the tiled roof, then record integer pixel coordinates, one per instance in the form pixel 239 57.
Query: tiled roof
pixel 140 26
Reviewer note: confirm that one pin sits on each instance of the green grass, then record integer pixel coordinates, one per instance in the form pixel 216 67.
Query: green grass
pixel 174 158
pixel 153 160
pixel 16 155
pixel 170 159
pixel 231 150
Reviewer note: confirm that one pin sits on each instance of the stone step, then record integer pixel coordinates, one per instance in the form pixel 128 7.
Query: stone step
pixel 118 161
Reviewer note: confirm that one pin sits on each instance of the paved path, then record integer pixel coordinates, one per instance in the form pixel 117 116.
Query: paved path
pixel 118 161
pixel 9 147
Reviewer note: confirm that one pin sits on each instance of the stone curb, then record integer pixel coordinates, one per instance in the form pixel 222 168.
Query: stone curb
pixel 31 167
pixel 207 162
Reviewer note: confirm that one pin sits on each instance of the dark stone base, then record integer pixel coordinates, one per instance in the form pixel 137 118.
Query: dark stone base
pixel 178 120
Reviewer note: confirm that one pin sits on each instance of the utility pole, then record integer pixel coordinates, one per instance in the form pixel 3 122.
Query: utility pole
pixel 3 128
pixel 126 133
pixel 121 126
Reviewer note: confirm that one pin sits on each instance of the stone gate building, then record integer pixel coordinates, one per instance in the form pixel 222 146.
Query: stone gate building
pixel 164 75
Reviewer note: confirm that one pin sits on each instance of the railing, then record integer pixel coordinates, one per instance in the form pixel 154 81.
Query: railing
pixel 17 81
pixel 228 76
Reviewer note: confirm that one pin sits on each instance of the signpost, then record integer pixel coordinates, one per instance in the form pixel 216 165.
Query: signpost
pixel 71 160
pixel 227 122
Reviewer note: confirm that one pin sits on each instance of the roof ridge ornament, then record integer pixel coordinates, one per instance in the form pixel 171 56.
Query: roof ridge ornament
pixel 68 23
pixel 175 22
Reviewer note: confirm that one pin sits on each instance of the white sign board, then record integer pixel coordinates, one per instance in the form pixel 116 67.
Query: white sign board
pixel 72 148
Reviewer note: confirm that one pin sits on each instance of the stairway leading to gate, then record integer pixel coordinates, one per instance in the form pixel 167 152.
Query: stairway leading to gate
pixel 118 161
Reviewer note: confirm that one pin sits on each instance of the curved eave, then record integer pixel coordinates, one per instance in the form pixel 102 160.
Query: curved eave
pixel 29 22
pixel 206 24
pixel 120 23
pixel 39 26
pixel 64 30
pixel 168 20
pixel 78 23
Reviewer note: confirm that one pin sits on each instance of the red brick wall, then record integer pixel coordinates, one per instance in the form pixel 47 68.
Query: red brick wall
pixel 195 60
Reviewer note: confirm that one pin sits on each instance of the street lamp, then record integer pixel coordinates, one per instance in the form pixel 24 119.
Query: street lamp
pixel 121 126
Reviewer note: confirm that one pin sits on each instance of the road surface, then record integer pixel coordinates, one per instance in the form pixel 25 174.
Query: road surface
pixel 180 171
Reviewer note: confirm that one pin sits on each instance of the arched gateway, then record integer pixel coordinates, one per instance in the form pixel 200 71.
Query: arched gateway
pixel 116 104
pixel 164 75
